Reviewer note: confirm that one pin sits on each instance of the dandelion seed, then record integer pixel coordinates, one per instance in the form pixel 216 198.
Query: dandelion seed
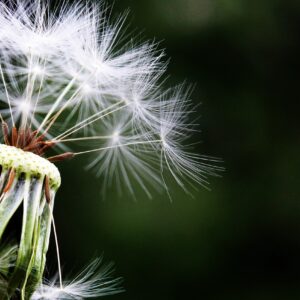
pixel 67 82
pixel 90 283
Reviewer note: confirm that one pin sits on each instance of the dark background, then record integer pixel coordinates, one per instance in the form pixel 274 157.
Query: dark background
pixel 241 240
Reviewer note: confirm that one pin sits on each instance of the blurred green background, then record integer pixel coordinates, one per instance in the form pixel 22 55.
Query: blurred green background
pixel 241 240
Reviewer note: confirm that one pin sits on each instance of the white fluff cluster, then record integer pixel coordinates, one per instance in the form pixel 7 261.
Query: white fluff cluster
pixel 89 283
pixel 8 255
pixel 70 75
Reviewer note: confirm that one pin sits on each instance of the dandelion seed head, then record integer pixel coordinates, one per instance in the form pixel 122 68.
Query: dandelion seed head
pixel 70 79
pixel 76 78
pixel 28 163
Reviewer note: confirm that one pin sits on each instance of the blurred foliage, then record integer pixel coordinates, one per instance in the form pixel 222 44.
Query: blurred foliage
pixel 241 240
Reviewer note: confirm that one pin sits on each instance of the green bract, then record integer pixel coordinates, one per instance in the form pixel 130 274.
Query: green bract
pixel 27 190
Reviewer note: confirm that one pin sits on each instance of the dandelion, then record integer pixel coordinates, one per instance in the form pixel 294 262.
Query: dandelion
pixel 66 79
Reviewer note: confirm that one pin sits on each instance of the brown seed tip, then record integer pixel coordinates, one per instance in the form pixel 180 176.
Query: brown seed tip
pixel 61 157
